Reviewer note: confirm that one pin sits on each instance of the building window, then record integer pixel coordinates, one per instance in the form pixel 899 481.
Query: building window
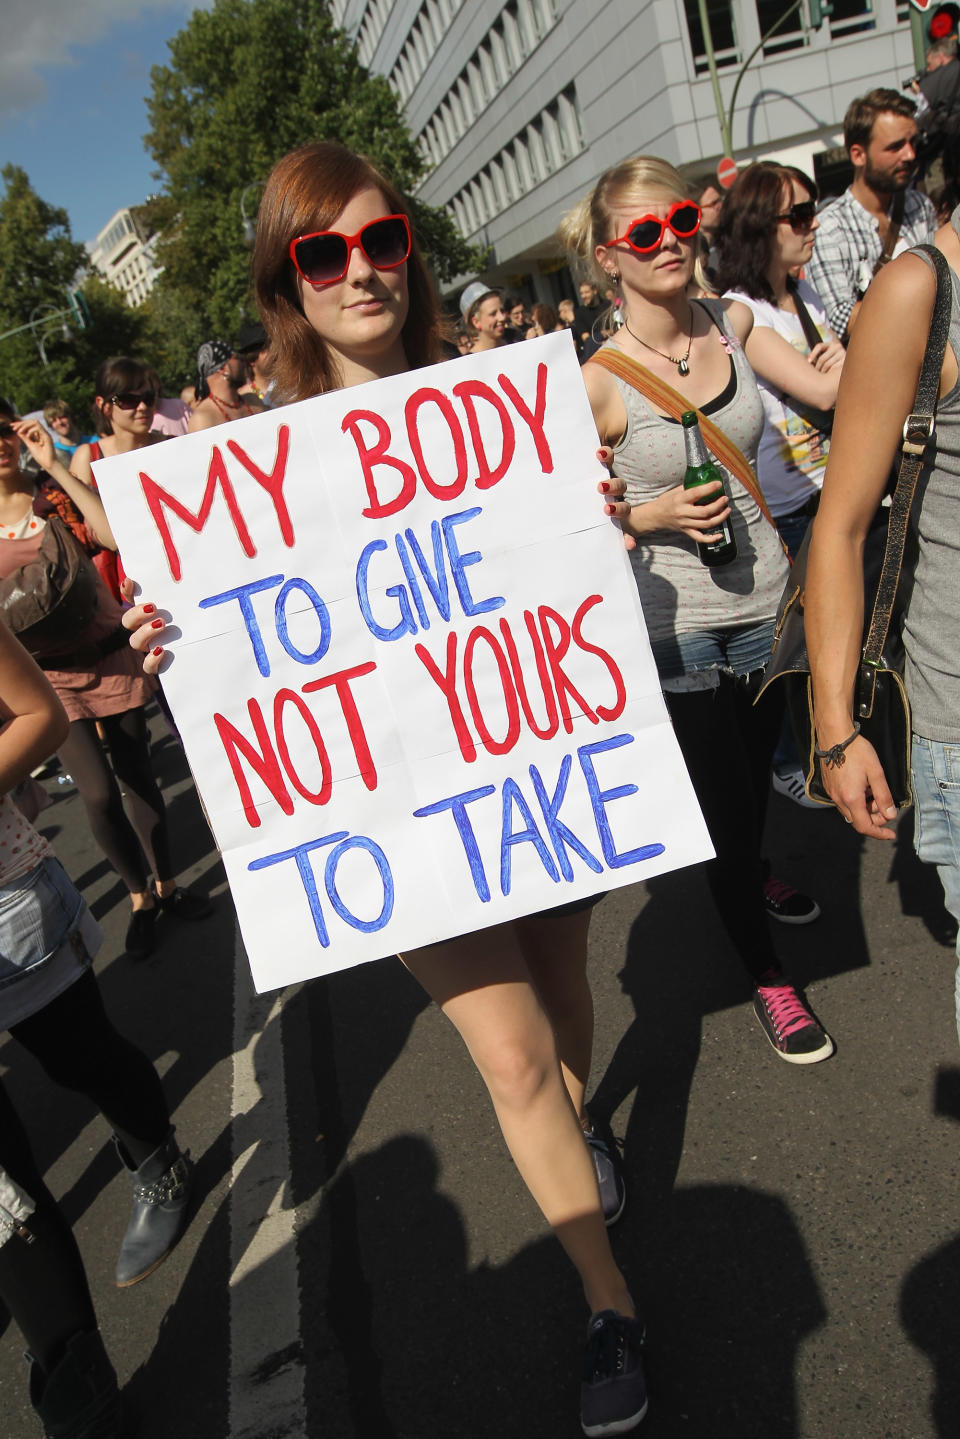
pixel 850 16
pixel 720 15
pixel 791 35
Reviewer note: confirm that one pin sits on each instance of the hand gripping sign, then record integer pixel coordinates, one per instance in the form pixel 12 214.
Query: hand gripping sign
pixel 410 667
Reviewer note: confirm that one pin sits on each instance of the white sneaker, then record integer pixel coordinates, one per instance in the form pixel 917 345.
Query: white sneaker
pixel 791 783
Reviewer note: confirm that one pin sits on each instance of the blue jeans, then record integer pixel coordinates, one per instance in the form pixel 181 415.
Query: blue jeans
pixel 736 649
pixel 936 789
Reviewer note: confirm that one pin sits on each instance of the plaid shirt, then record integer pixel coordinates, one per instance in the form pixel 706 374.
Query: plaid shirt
pixel 848 246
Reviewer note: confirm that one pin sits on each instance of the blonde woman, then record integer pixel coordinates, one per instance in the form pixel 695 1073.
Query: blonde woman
pixel 710 628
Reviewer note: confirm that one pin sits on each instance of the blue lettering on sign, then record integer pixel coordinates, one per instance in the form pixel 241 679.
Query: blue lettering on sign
pixel 530 835
pixel 435 579
pixel 600 798
pixel 243 595
pixel 459 562
pixel 342 842
pixel 457 804
pixel 406 624
pixel 280 619
pixel 560 834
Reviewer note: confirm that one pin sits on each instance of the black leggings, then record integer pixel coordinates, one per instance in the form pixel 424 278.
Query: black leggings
pixel 728 744
pixel 43 1284
pixel 82 756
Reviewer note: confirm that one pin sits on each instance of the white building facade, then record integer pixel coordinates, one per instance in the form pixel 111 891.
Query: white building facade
pixel 122 254
pixel 518 107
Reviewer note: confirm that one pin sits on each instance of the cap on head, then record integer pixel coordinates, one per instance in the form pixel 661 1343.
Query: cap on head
pixel 252 336
pixel 472 294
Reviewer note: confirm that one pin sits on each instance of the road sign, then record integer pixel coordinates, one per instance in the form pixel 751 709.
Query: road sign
pixel 727 172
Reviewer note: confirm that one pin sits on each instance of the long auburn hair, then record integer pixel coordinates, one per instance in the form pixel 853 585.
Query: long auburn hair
pixel 304 193
pixel 747 229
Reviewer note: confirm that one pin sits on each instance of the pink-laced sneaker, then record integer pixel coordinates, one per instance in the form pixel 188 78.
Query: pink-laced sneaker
pixel 788 905
pixel 789 1025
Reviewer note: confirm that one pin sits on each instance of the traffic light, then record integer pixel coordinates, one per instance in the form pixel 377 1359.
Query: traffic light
pixel 817 10
pixel 942 22
pixel 79 309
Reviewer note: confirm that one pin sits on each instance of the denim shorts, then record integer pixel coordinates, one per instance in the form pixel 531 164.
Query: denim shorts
pixel 37 912
pixel 699 658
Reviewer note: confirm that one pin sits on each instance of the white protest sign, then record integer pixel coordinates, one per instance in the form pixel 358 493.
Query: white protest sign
pixel 409 664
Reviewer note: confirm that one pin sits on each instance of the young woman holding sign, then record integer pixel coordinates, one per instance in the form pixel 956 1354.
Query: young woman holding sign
pixel 711 627
pixel 345 297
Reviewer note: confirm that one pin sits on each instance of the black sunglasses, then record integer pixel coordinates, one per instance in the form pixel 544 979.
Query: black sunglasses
pixel 802 215
pixel 130 399
pixel 7 431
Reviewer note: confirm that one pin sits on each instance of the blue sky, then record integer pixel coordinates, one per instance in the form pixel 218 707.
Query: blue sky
pixel 73 81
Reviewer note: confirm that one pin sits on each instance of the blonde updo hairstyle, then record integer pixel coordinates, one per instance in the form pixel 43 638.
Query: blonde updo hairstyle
pixel 590 222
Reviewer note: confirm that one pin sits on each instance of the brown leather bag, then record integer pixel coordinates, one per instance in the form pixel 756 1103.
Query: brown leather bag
pixel 50 602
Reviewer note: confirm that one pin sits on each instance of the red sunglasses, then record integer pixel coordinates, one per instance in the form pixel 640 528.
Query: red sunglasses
pixel 324 257
pixel 646 234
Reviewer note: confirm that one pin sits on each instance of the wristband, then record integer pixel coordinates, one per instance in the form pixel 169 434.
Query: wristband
pixel 834 757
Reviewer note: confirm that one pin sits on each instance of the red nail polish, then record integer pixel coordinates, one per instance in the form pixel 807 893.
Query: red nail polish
pixel 158 650
pixel 149 609
pixel 608 509
pixel 156 624
pixel 604 488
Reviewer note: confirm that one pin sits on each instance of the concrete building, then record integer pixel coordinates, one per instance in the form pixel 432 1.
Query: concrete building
pixel 125 256
pixel 519 106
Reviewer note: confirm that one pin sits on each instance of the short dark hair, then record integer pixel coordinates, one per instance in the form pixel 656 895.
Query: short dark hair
pixel 748 225
pixel 8 410
pixel 862 114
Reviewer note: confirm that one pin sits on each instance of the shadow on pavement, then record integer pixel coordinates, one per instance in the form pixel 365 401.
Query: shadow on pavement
pixel 928 1299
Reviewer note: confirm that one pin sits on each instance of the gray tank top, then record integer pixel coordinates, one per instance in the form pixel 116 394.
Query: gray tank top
pixel 679 595
pixel 931 629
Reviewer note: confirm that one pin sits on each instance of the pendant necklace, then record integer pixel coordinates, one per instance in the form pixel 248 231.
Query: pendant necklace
pixel 682 361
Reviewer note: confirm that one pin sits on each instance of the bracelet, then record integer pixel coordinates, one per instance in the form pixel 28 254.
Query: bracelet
pixel 834 757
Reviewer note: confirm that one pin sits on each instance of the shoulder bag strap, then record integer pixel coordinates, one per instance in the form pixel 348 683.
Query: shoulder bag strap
pixel 917 432
pixel 893 233
pixel 665 398
pixel 811 334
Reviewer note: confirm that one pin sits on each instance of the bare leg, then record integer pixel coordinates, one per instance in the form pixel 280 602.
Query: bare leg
pixel 483 984
pixel 555 948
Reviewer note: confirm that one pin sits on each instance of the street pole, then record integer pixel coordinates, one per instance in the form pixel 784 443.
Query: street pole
pixel 714 76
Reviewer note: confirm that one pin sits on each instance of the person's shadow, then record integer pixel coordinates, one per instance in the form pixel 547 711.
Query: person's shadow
pixel 928 1298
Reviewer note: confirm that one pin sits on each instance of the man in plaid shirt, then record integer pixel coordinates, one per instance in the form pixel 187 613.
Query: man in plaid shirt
pixel 880 135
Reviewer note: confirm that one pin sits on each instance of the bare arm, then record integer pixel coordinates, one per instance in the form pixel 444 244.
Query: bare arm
pixel 876 395
pixel 81 466
pixel 32 720
pixel 775 360
pixel 204 417
pixel 87 501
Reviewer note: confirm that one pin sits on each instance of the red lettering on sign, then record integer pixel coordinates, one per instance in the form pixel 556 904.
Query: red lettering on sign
pixel 491 745
pixel 532 419
pixel 348 705
pixel 468 393
pixel 370 458
pixel 289 697
pixel 157 497
pixel 272 482
pixel 411 411
pixel 446 679
pixel 262 761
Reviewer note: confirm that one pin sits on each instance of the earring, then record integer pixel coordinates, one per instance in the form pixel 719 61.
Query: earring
pixel 615 276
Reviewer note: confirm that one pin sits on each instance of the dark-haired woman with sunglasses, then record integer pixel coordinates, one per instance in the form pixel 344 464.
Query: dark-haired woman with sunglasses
pixel 345 297
pixel 710 627
pixel 766 235
pixel 97 684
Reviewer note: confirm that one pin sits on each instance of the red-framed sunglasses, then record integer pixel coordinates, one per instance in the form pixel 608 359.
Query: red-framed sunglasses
pixel 647 233
pixel 324 257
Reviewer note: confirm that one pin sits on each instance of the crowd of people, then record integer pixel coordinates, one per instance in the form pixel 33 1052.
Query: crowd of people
pixel 728 313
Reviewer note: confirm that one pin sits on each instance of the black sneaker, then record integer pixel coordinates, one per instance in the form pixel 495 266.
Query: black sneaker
pixel 613 1390
pixel 788 1023
pixel 783 902
pixel 185 903
pixel 141 938
pixel 606 1161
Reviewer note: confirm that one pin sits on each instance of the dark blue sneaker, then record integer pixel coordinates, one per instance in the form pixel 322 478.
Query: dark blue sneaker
pixel 606 1161
pixel 613 1390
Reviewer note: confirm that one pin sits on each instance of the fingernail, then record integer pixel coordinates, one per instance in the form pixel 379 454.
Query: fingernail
pixel 608 509
pixel 156 624
pixel 604 488
pixel 159 650
pixel 149 609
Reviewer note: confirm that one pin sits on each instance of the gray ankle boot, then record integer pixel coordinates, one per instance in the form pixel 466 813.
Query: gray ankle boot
pixel 161 1191
pixel 79 1399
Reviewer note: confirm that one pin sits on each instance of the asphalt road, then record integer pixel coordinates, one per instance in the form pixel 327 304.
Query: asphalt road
pixel 376 1270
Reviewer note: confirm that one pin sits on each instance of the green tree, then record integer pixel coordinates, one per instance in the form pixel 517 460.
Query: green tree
pixel 39 264
pixel 249 80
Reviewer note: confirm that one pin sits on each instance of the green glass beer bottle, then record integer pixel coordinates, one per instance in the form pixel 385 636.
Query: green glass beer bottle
pixel 702 470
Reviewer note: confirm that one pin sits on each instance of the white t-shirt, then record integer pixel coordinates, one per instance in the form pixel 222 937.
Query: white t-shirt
pixel 793 451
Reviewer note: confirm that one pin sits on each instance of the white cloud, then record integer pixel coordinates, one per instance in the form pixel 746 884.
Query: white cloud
pixel 39 35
